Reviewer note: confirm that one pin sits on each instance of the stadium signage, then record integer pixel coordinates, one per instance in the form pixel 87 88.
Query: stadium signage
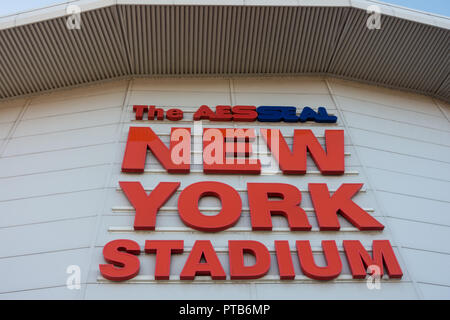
pixel 243 113
pixel 229 151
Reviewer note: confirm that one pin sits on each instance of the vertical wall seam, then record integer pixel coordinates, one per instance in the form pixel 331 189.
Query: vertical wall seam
pixel 440 109
pixel 109 176
pixel 13 128
pixel 378 202
pixel 231 88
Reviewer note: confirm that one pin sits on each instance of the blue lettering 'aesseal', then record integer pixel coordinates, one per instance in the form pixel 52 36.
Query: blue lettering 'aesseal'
pixel 289 114
pixel 323 116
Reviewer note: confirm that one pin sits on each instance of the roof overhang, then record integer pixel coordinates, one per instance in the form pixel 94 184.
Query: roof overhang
pixel 124 38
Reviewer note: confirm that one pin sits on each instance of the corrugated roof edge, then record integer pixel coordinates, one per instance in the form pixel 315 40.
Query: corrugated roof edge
pixel 60 10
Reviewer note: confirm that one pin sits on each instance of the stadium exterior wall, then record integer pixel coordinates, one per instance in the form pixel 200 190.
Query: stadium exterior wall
pixel 60 159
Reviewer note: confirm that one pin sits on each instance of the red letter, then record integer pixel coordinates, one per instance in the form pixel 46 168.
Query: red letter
pixel 261 207
pixel 163 250
pixel 220 144
pixel 204 112
pixel 309 267
pixel 147 206
pixel 159 113
pixel 284 259
pixel 123 263
pixel 359 259
pixel 223 113
pixel 244 113
pixel 327 207
pixel 329 162
pixel 141 138
pixel 237 268
pixel 140 111
pixel 191 215
pixel 193 267
pixel 174 114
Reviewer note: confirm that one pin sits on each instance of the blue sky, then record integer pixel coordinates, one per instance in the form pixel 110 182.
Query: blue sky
pixel 441 7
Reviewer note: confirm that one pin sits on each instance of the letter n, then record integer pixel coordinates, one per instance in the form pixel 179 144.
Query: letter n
pixel 142 138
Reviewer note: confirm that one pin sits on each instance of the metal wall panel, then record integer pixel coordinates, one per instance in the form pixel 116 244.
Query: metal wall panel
pixel 59 185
